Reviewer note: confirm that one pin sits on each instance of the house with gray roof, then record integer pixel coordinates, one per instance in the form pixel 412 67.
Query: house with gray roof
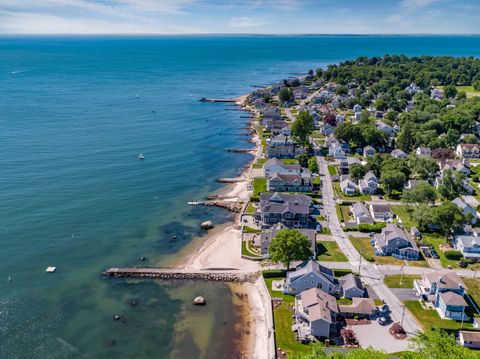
pixel 348 187
pixel 290 182
pixel 352 286
pixel 445 290
pixel 469 245
pixel 311 274
pixel 282 146
pixel 398 153
pixel 382 126
pixel 360 307
pixel 369 183
pixel 393 241
pixel 368 151
pixel 361 215
pixel 267 236
pixel 293 210
pixel 381 211
pixel 465 208
pixel 275 165
pixel 315 313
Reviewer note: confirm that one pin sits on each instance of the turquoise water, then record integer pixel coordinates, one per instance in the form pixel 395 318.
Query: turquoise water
pixel 74 195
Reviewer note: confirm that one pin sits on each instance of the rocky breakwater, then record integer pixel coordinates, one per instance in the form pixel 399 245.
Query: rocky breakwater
pixel 179 274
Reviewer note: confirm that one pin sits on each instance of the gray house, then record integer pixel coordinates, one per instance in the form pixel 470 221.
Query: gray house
pixel 267 236
pixel 352 286
pixel 290 182
pixel 393 241
pixel 315 312
pixel 465 208
pixel 293 210
pixel 361 214
pixel 309 275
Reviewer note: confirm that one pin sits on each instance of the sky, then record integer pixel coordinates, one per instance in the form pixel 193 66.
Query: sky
pixel 240 17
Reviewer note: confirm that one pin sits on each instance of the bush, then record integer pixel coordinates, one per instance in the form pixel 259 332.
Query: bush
pixel 453 255
pixel 377 228
pixel 274 273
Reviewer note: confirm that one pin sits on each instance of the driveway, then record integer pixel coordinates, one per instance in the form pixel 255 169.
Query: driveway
pixel 378 337
pixel 405 293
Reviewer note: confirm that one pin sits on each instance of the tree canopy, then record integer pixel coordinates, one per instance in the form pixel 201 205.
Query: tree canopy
pixel 303 127
pixel 289 245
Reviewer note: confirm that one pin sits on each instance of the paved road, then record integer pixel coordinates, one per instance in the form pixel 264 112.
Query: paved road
pixel 369 272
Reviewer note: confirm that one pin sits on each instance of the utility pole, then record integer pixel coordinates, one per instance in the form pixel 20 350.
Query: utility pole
pixel 360 265
pixel 403 314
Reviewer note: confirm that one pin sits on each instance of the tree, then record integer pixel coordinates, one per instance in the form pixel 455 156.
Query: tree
pixel 461 95
pixel 450 91
pixel 350 133
pixel 393 181
pixel 330 119
pixel 476 85
pixel 285 95
pixel 357 171
pixel 452 185
pixel 422 193
pixel 406 138
pixel 425 167
pixel 470 138
pixel 452 137
pixel 448 216
pixel 313 165
pixel 440 345
pixel 303 159
pixel 289 245
pixel 303 127
pixel 423 216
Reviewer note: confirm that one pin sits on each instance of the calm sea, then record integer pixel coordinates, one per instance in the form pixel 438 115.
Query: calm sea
pixel 74 115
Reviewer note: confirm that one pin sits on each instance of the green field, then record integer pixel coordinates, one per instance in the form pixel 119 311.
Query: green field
pixel 363 246
pixel 259 186
pixel 473 288
pixel 328 251
pixel 403 213
pixel 429 318
pixel 393 281
pixel 332 170
pixel 284 337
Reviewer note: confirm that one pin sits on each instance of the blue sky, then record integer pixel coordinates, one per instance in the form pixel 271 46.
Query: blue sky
pixel 248 16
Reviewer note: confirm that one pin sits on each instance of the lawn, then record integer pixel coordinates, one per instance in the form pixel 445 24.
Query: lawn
pixel 435 240
pixel 473 288
pixel 393 281
pixel 290 161
pixel 403 213
pixel 250 208
pixel 363 246
pixel 332 170
pixel 277 293
pixel 259 185
pixel 248 250
pixel 345 209
pixel 248 229
pixel 429 318
pixel 284 337
pixel 264 146
pixel 259 163
pixel 329 251
pixel 341 195
pixel 469 90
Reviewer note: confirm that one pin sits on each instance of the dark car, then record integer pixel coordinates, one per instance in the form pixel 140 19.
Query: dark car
pixel 462 264
pixel 434 254
pixel 384 320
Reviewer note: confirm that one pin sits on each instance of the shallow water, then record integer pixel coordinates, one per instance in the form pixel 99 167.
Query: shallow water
pixel 74 195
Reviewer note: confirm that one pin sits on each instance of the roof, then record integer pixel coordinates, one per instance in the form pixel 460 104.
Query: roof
pixel 359 306
pixel 469 146
pixel 452 298
pixel 311 266
pixel 277 162
pixel 445 279
pixel 461 203
pixel 379 207
pixel 470 336
pixel 350 281
pixel 359 210
pixel 320 304
pixel 285 198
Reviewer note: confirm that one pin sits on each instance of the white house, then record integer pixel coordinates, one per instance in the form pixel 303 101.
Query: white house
pixel 423 152
pixel 467 150
pixel 361 215
pixel 398 153
pixel 465 208
pixel 381 212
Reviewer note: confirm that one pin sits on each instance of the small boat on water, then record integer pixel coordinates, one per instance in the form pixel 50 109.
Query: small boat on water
pixel 141 156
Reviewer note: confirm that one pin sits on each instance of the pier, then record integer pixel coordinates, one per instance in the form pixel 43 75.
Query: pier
pixel 231 206
pixel 203 99
pixel 217 275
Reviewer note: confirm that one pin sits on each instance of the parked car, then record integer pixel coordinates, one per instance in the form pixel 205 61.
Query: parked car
pixel 434 254
pixel 462 264
pixel 384 320
pixel 384 309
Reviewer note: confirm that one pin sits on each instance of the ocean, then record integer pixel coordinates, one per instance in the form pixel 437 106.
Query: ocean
pixel 75 112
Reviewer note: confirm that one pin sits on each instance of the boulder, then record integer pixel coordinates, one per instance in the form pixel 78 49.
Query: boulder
pixel 207 225
pixel 199 301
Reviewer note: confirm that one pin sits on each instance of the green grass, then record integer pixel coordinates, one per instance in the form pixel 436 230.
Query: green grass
pixel 341 195
pixel 259 163
pixel 329 251
pixel 284 337
pixel 332 170
pixel 339 212
pixel 259 185
pixel 346 213
pixel 473 288
pixel 264 146
pixel 248 250
pixel 248 229
pixel 393 281
pixel 317 135
pixel 435 240
pixel 429 318
pixel 278 293
pixel 316 181
pixel 290 161
pixel 403 213
pixel 250 208
pixel 344 301
pixel 469 90
pixel 363 246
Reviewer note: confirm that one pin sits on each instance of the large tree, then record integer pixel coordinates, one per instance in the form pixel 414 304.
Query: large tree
pixel 448 216
pixel 392 181
pixel 313 165
pixel 303 127
pixel 285 95
pixel 422 193
pixel 422 215
pixel 289 245
pixel 425 167
pixel 406 138
pixel 452 185
pixel 357 171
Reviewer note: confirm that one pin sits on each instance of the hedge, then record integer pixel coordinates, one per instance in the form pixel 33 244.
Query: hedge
pixel 453 255
pixel 274 273
pixel 377 228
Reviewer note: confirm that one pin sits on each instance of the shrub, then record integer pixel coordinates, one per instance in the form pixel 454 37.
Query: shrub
pixel 274 273
pixel 377 228
pixel 453 255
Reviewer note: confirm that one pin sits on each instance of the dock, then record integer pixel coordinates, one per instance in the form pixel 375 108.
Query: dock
pixel 217 275
pixel 203 99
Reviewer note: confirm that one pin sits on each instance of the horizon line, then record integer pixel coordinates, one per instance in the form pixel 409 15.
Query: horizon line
pixel 235 34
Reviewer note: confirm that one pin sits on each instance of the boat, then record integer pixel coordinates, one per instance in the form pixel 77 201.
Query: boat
pixel 141 156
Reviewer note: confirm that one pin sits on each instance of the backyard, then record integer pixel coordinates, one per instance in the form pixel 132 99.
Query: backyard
pixel 403 213
pixel 332 170
pixel 328 251
pixel 393 281
pixel 284 337
pixel 366 250
pixel 341 195
pixel 259 186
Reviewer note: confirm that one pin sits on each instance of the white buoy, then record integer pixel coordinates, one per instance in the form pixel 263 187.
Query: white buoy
pixel 141 156
pixel 50 269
